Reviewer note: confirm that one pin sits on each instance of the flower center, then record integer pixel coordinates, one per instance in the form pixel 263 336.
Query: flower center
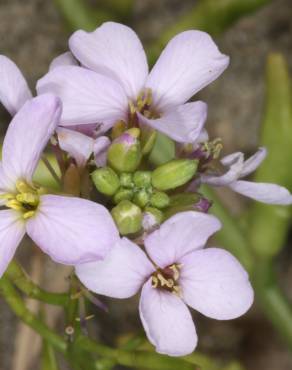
pixel 142 105
pixel 167 279
pixel 25 200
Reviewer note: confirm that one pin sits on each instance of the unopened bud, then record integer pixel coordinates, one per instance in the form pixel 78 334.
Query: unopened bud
pixel 174 173
pixel 123 194
pixel 152 217
pixel 141 198
pixel 159 200
pixel 126 180
pixel 184 199
pixel 128 217
pixel 124 154
pixel 142 179
pixel 106 181
pixel 203 205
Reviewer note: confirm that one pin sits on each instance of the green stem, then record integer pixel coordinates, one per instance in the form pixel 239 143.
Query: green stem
pixel 18 307
pixel 23 282
pixel 49 361
pixel 212 16
pixel 137 359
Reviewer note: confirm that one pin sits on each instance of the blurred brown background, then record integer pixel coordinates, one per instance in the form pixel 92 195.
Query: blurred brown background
pixel 32 32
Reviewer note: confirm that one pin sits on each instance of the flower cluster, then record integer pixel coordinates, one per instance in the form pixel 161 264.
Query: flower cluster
pixel 127 222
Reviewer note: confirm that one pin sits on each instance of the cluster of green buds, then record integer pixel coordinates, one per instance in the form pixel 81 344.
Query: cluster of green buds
pixel 135 192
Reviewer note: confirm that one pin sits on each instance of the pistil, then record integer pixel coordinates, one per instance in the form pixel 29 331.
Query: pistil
pixel 167 279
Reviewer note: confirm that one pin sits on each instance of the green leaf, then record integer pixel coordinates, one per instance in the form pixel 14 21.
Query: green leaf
pixel 268 224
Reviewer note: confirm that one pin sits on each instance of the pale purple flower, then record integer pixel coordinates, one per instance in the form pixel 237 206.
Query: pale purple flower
pixel 115 84
pixel 173 272
pixel 14 90
pixel 70 230
pixel 237 168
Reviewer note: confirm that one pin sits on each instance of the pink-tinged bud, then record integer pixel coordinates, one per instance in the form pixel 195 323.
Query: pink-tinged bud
pixel 203 205
pixel 124 154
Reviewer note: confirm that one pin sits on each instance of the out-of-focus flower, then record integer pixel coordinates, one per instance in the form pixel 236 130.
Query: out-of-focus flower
pixel 178 272
pixel 239 168
pixel 70 230
pixel 115 84
pixel 14 91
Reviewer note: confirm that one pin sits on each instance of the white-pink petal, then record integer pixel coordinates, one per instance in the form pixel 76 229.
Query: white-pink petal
pixel 121 274
pixel 179 235
pixel 183 123
pixel 87 97
pixel 14 90
pixel 253 162
pixel 100 147
pixel 78 145
pixel 28 134
pixel 263 192
pixel 190 61
pixel 72 230
pixel 65 59
pixel 113 50
pixel 12 231
pixel 167 322
pixel 214 283
pixel 234 162
pixel 6 184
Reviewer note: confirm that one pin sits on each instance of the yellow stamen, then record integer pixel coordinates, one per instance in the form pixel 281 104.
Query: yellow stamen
pixel 14 204
pixel 28 198
pixel 28 214
pixel 7 196
pixel 175 269
pixel 23 187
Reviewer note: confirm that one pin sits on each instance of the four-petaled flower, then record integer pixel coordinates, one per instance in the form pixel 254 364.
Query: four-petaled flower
pixel 70 230
pixel 174 271
pixel 115 85
pixel 237 169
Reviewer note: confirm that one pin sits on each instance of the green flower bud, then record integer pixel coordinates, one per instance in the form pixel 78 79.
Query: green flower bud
pixel 126 180
pixel 123 194
pixel 106 181
pixel 171 211
pixel 142 179
pixel 184 199
pixel 124 154
pixel 128 217
pixel 159 200
pixel 174 173
pixel 141 198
